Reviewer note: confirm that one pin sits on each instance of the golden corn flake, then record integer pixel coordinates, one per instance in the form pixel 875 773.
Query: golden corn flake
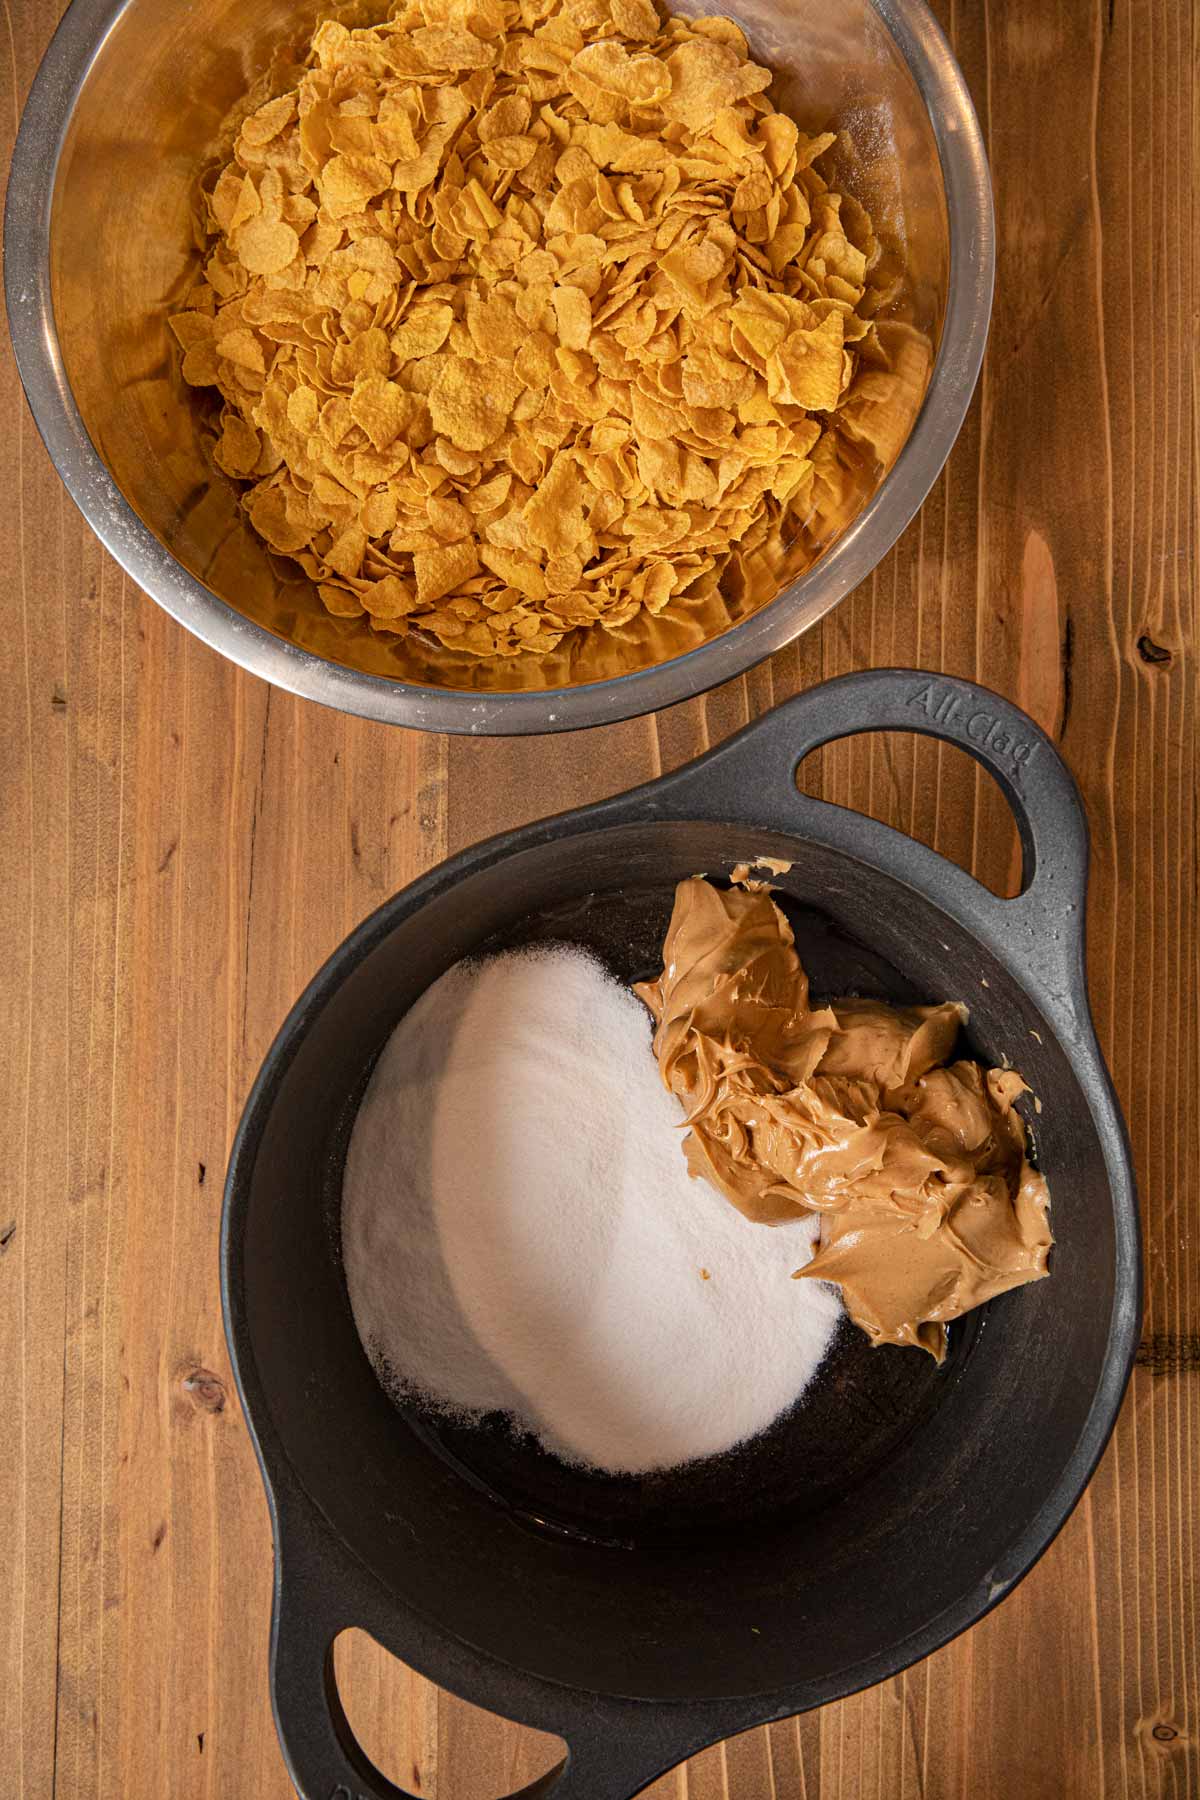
pixel 265 246
pixel 441 572
pixel 530 316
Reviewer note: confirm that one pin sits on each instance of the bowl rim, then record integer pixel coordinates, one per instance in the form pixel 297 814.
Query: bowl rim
pixel 73 52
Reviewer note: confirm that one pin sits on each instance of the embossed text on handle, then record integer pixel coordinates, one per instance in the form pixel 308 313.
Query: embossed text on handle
pixel 949 708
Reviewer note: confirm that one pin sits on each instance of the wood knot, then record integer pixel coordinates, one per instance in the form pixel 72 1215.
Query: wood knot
pixel 1161 1732
pixel 205 1390
pixel 1155 654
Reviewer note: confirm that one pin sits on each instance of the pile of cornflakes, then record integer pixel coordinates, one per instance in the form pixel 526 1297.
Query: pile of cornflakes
pixel 526 315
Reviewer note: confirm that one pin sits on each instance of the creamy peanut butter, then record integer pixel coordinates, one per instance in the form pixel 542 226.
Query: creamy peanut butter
pixel 856 1110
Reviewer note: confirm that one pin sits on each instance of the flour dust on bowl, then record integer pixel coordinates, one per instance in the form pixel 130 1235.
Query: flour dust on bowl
pixel 643 1616
pixel 131 98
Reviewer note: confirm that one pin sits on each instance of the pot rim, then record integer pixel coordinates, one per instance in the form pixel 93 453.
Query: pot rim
pixel 46 120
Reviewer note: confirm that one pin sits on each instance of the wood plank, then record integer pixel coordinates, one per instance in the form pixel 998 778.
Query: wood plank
pixel 182 847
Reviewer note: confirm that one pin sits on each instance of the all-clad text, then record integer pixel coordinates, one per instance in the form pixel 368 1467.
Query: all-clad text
pixel 976 723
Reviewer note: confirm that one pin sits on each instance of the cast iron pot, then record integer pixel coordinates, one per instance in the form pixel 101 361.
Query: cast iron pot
pixel 644 1618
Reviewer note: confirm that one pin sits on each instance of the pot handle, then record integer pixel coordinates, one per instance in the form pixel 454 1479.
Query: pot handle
pixel 614 1749
pixel 752 779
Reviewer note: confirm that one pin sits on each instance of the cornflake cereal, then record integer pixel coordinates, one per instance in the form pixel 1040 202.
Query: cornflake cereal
pixel 526 316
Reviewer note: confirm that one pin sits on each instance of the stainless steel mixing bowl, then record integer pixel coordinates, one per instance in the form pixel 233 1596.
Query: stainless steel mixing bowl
pixel 127 104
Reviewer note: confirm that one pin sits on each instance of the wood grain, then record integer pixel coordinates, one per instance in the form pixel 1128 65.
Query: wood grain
pixel 182 846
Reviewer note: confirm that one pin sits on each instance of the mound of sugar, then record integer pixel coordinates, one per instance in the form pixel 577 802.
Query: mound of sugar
pixel 520 1232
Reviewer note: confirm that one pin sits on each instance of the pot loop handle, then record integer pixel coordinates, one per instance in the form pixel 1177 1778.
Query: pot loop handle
pixel 614 1750
pixel 751 779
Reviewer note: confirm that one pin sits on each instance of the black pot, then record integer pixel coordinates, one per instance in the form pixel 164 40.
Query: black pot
pixel 642 1618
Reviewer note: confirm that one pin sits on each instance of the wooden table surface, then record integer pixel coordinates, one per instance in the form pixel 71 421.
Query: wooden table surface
pixel 182 846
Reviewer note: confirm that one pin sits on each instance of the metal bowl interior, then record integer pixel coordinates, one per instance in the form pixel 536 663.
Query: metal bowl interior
pixel 130 102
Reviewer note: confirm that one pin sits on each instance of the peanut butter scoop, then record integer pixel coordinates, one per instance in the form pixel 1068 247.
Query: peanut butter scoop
pixel 859 1111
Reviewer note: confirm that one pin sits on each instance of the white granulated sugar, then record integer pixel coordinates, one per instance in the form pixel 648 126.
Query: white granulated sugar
pixel 521 1234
